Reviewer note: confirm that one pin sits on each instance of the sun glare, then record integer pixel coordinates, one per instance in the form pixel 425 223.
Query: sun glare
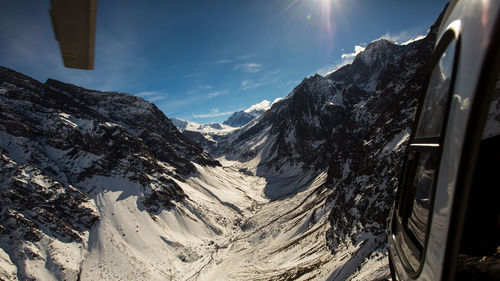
pixel 325 16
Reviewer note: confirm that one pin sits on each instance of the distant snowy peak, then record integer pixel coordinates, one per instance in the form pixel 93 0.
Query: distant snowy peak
pixel 205 135
pixel 179 123
pixel 211 128
pixel 241 118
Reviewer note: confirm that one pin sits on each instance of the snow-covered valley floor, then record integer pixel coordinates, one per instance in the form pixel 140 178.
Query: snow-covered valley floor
pixel 226 230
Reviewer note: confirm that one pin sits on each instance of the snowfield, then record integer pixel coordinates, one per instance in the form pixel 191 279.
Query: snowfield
pixel 227 230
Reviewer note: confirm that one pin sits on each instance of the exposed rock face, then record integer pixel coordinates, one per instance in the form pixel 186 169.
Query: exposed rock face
pixel 355 123
pixel 58 142
pixel 372 148
pixel 315 122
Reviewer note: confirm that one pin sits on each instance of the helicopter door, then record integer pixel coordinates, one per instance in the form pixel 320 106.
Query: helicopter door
pixel 414 201
pixel 478 256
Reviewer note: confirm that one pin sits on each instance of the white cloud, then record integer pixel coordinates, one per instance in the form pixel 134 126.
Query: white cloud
pixel 248 67
pixel 263 105
pixel 345 58
pixel 405 36
pixel 213 113
pixel 276 100
pixel 217 93
pixel 409 41
pixel 357 49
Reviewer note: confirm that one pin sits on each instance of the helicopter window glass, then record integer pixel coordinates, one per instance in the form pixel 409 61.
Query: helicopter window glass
pixel 433 110
pixel 492 127
pixel 422 182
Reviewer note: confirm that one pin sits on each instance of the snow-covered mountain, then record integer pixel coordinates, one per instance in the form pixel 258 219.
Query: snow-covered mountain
pixel 102 185
pixel 354 124
pixel 64 149
pixel 242 117
pixel 206 135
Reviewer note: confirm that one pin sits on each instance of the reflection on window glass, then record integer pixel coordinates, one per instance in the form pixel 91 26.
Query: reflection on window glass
pixel 433 109
pixel 492 127
pixel 422 184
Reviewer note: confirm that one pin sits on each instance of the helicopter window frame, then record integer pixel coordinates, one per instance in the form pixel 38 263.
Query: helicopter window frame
pixel 486 83
pixel 414 245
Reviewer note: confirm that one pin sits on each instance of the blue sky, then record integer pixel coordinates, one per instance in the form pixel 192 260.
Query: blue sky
pixel 202 60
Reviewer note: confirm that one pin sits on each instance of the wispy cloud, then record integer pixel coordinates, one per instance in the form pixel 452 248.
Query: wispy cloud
pixel 327 69
pixel 152 96
pixel 239 58
pixel 200 88
pixel 247 56
pixel 248 67
pixel 275 72
pixel 224 61
pixel 411 40
pixel 404 37
pixel 213 113
pixel 249 84
pixel 147 94
pixel 217 93
pixel 193 99
pixel 291 82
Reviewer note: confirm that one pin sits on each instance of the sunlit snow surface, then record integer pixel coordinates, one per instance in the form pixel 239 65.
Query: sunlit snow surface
pixel 226 230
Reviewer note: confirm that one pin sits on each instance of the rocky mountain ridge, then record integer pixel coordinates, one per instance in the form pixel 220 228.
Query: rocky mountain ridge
pixel 58 142
pixel 354 124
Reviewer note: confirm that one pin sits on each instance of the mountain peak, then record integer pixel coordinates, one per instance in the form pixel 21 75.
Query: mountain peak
pixel 381 42
pixel 242 117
